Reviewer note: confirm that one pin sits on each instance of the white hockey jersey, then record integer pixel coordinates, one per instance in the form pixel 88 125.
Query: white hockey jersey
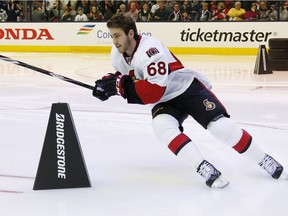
pixel 160 75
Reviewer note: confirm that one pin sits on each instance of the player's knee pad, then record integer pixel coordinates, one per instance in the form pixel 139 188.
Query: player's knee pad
pixel 225 130
pixel 165 127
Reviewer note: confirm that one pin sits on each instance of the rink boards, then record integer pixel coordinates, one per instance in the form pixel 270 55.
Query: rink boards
pixel 238 38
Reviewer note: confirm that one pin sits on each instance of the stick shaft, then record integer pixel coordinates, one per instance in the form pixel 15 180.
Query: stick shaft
pixel 46 72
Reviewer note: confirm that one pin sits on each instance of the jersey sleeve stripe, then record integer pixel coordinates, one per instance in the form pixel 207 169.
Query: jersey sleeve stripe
pixel 148 92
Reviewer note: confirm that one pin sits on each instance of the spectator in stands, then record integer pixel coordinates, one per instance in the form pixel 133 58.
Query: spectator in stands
pixel 176 14
pixel 95 14
pixel 170 4
pixel 72 11
pixel 252 14
pixel 274 13
pixel 195 3
pixel 133 12
pixel 191 8
pixel 228 4
pixel 107 8
pixel 85 5
pixel 205 14
pixel 186 17
pixel 93 3
pixel 38 14
pixel 162 13
pixel 3 5
pixel 155 6
pixel 14 10
pixel 66 16
pixel 247 4
pixel 185 5
pixel 56 12
pixel 213 5
pixel 122 8
pixel 283 13
pixel 236 13
pixel 48 8
pixel 117 5
pixel 144 13
pixel 219 14
pixel 129 4
pixel 70 5
pixel 195 9
pixel 3 15
pixel 81 17
pixel 264 11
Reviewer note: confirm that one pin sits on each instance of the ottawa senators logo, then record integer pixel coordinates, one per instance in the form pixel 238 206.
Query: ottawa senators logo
pixel 209 105
pixel 152 51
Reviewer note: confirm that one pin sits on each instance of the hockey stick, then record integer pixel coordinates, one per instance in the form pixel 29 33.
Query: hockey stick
pixel 43 71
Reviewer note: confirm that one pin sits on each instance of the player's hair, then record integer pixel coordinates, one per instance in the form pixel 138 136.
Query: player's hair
pixel 126 23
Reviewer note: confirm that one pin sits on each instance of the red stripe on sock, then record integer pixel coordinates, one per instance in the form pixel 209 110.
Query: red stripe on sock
pixel 178 143
pixel 243 143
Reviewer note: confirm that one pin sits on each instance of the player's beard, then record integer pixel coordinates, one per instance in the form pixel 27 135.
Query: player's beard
pixel 125 46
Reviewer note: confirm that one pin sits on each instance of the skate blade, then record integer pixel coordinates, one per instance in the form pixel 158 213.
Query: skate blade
pixel 220 183
pixel 284 176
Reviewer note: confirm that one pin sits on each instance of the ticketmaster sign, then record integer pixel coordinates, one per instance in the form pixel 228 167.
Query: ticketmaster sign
pixel 95 37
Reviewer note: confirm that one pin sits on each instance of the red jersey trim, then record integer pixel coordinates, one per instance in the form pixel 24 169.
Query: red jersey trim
pixel 148 92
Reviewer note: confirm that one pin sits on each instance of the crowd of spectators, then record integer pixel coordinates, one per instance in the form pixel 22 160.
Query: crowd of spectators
pixel 143 11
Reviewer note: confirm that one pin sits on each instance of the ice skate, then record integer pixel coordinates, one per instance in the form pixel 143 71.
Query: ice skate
pixel 274 168
pixel 211 175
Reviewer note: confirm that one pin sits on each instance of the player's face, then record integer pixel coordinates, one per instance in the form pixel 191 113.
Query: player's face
pixel 121 41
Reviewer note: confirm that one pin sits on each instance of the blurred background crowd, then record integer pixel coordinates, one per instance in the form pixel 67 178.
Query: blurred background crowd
pixel 143 11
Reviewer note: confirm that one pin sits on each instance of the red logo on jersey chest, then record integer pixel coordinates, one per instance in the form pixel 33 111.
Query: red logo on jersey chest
pixel 132 74
pixel 152 51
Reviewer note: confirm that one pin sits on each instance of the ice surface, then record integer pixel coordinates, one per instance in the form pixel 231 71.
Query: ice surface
pixel 132 173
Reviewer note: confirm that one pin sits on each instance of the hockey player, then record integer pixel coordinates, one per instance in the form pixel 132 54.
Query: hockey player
pixel 148 73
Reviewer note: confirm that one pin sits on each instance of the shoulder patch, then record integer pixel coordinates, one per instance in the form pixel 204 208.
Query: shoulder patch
pixel 152 51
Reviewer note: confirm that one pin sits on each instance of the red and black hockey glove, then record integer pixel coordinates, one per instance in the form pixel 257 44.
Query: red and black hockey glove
pixel 110 75
pixel 99 90
pixel 111 85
